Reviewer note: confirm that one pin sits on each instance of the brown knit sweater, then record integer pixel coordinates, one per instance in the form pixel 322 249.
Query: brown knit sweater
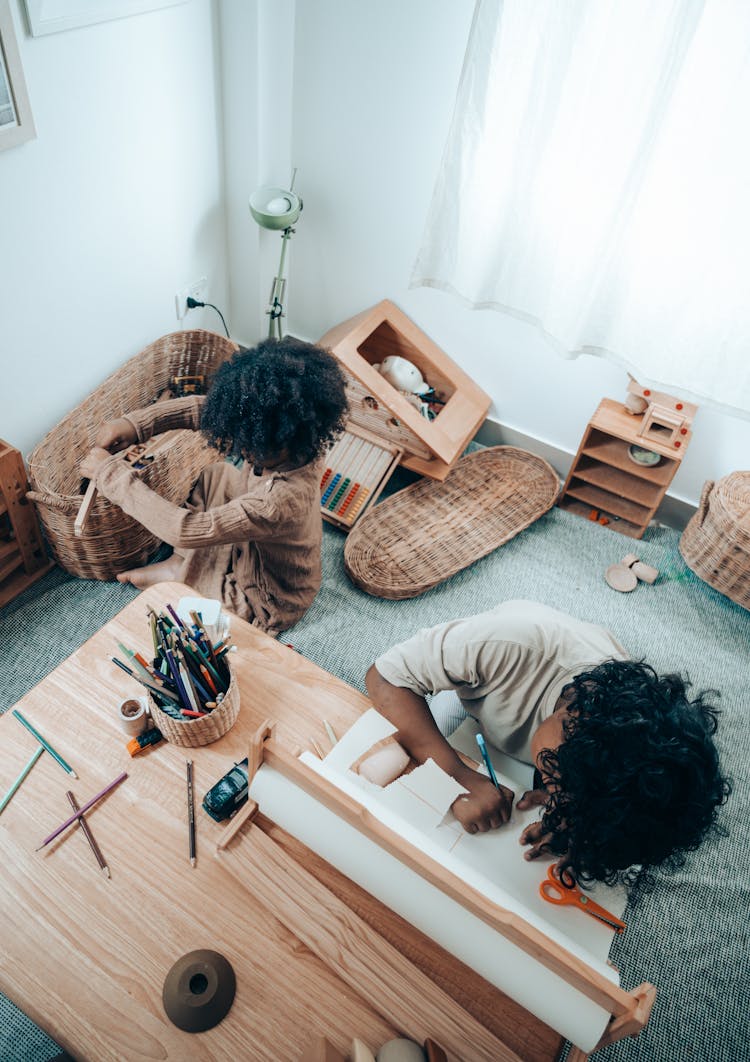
pixel 251 541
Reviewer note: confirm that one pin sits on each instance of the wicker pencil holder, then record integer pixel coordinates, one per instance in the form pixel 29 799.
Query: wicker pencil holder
pixel 192 733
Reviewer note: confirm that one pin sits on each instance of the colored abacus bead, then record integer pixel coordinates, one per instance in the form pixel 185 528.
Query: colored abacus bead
pixel 330 488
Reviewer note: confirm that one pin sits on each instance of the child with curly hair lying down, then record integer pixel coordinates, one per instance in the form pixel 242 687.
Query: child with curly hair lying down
pixel 627 771
pixel 249 536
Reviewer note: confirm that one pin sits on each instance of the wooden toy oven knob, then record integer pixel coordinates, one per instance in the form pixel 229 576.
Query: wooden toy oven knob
pixel 678 444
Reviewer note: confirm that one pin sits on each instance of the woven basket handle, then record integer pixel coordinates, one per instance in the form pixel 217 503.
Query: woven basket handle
pixel 54 501
pixel 708 486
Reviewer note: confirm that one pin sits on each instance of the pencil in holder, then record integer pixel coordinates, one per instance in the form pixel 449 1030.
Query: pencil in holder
pixel 192 733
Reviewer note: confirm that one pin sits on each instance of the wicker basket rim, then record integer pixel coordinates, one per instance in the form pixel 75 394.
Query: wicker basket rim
pixel 502 456
pixel 37 465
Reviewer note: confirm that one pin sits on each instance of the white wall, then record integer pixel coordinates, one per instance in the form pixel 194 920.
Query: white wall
pixel 115 205
pixel 127 195
pixel 374 86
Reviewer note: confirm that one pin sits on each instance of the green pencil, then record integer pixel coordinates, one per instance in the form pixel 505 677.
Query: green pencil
pixel 6 799
pixel 45 744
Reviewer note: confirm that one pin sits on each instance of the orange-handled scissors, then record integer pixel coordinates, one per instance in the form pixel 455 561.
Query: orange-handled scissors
pixel 552 890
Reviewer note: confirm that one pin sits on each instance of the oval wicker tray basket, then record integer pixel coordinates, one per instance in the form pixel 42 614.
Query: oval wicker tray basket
pixel 427 532
pixel 113 542
pixel 716 542
pixel 192 733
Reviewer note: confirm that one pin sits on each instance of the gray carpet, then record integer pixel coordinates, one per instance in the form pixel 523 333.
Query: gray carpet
pixel 690 937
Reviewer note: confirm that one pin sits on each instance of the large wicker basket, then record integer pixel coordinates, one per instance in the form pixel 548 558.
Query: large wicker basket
pixel 716 541
pixel 422 535
pixel 111 541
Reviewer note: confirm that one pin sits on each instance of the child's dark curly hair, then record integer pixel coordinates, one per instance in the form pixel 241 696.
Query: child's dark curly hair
pixel 282 398
pixel 636 782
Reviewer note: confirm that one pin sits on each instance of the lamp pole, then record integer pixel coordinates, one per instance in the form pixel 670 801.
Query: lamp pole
pixel 275 309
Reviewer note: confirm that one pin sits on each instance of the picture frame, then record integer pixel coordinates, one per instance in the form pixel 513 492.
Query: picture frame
pixel 16 122
pixel 54 16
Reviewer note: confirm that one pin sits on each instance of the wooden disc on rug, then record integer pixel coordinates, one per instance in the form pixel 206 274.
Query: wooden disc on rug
pixel 621 578
pixel 199 990
pixel 427 532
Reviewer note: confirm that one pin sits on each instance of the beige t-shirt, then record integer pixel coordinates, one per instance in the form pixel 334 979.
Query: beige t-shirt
pixel 508 666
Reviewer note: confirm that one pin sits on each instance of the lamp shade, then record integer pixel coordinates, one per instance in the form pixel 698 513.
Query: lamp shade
pixel 275 208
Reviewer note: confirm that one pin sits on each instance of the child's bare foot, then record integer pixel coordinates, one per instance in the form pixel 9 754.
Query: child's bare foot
pixel 161 572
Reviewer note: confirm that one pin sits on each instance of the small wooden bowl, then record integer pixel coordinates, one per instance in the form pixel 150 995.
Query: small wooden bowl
pixel 192 733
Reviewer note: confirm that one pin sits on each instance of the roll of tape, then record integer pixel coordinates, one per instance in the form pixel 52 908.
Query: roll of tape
pixel 133 715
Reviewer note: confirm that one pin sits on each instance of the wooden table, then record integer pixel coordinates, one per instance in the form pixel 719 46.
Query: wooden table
pixel 86 957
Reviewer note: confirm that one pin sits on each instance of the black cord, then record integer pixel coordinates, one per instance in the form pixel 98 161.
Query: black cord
pixel 193 304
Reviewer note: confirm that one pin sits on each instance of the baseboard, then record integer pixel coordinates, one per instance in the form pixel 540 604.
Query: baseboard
pixel 674 512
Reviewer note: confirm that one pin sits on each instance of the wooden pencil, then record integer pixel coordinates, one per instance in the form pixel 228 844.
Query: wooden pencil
pixel 7 798
pixel 86 830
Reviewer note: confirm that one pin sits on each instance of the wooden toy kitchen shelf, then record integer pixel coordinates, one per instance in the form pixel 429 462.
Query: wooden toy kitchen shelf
pixel 604 481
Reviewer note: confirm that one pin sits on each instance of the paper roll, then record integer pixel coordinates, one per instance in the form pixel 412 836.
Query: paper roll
pixel 470 939
pixel 133 715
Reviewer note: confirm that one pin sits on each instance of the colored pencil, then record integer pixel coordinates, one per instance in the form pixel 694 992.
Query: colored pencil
pixel 139 667
pixel 209 680
pixel 160 690
pixel 180 625
pixel 487 761
pixel 209 645
pixel 86 806
pixel 191 813
pixel 7 798
pixel 184 700
pixel 89 836
pixel 154 635
pixel 45 744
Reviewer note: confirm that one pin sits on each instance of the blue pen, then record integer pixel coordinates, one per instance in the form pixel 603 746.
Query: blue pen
pixel 487 761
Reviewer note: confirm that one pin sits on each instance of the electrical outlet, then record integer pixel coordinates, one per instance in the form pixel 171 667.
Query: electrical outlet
pixel 198 290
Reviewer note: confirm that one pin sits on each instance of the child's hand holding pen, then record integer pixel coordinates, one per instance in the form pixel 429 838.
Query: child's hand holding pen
pixel 486 807
pixel 488 804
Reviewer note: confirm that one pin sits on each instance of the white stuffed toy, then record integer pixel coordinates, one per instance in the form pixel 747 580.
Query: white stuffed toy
pixel 402 375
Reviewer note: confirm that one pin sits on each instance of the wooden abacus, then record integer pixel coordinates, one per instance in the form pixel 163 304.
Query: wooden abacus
pixel 357 467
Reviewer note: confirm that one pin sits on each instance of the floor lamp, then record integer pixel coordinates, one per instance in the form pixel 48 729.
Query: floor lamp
pixel 275 208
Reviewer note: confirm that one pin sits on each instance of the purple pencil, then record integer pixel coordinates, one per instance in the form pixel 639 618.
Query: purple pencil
pixel 86 806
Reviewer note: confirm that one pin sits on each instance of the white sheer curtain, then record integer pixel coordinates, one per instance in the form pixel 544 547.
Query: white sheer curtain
pixel 596 181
